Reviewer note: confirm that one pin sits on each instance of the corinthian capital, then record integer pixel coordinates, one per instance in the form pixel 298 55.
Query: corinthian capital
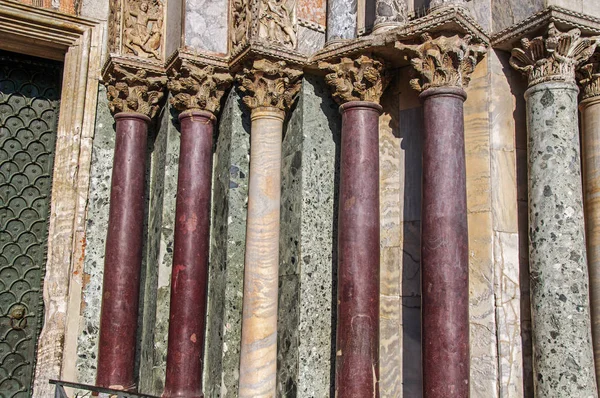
pixel 132 88
pixel 359 79
pixel 553 57
pixel 270 84
pixel 443 61
pixel 197 87
pixel 589 77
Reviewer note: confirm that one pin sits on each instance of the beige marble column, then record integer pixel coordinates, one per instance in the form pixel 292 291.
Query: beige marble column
pixel 270 88
pixel 590 143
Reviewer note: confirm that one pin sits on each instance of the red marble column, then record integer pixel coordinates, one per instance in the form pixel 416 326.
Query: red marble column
pixel 444 247
pixel 357 371
pixel 118 321
pixel 189 278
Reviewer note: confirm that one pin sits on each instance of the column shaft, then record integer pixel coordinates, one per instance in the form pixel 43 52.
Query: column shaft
pixel 357 369
pixel 563 359
pixel 258 362
pixel 444 247
pixel 590 119
pixel 118 322
pixel 187 317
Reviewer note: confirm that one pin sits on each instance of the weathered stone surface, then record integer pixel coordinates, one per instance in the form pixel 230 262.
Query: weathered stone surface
pixel 307 267
pixel 206 25
pixel 506 13
pixel 228 234
pixel 341 19
pixel 159 253
pixel 97 219
pixel 563 360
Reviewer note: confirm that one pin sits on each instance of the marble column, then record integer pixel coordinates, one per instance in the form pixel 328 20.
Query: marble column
pixel 590 137
pixel 270 90
pixel 357 340
pixel 563 359
pixel 390 14
pixel 436 4
pixel 444 234
pixel 189 279
pixel 128 89
pixel 341 20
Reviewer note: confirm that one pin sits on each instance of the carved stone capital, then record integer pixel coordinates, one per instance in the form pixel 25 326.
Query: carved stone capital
pixel 553 57
pixel 588 76
pixel 270 84
pixel 133 88
pixel 444 61
pixel 359 79
pixel 196 86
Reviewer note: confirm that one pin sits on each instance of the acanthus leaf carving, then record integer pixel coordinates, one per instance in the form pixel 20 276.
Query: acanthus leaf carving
pixel 359 79
pixel 588 76
pixel 134 89
pixel 278 23
pixel 197 87
pixel 142 28
pixel 270 84
pixel 444 61
pixel 553 57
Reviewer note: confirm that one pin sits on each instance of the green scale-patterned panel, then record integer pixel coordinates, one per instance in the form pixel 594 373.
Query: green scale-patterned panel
pixel 29 103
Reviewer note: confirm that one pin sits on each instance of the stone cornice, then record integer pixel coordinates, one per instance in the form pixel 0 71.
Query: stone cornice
pixel 269 83
pixel 360 79
pixel 197 85
pixel 443 61
pixel 562 18
pixel 588 77
pixel 134 85
pixel 447 20
pixel 553 56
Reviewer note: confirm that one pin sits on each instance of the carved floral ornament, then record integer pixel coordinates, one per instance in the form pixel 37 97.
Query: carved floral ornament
pixel 270 84
pixel 554 57
pixel 443 61
pixel 360 79
pixel 134 89
pixel 197 87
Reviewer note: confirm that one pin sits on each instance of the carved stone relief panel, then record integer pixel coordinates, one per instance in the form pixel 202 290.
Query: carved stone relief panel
pixel 136 28
pixel 278 23
pixel 240 16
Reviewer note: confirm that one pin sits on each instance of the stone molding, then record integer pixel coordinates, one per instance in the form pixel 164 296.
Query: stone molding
pixel 443 61
pixel 134 87
pixel 197 86
pixel 507 38
pixel 552 57
pixel 269 83
pixel 360 79
pixel 588 77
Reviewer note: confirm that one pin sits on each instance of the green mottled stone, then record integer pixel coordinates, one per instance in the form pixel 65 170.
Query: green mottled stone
pixel 307 244
pixel 228 236
pixel 155 292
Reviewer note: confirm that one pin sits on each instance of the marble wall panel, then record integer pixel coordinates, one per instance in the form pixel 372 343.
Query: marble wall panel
pixel 228 235
pixel 66 6
pixel 312 10
pixel 506 13
pixel 159 254
pixel 206 25
pixel 306 332
pixel 484 365
pixel 400 129
pixel 97 220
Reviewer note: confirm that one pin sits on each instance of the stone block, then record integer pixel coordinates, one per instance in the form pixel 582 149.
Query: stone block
pixel 504 191
pixel 206 25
